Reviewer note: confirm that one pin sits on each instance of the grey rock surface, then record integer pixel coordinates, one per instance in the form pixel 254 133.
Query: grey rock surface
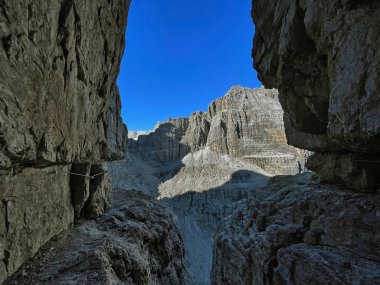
pixel 58 80
pixel 164 144
pixel 59 108
pixel 200 195
pixel 248 123
pixel 198 167
pixel 302 233
pixel 324 58
pixel 134 243
pixel 245 123
pixel 198 190
pixel 36 206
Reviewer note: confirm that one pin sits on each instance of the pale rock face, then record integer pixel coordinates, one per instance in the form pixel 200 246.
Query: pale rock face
pixel 245 123
pixel 198 130
pixel 248 123
pixel 324 58
pixel 200 195
pixel 59 113
pixel 164 145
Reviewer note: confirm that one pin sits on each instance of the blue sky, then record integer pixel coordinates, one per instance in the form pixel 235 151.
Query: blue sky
pixel 181 55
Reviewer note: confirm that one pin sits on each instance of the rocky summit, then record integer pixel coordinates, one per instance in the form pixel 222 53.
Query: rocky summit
pixel 223 197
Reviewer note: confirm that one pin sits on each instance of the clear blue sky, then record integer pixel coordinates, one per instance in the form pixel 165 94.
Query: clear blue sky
pixel 181 55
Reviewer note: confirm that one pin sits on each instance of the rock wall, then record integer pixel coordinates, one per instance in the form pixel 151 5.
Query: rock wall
pixel 164 144
pixel 59 113
pixel 245 123
pixel 200 166
pixel 199 190
pixel 302 233
pixel 134 243
pixel 324 58
pixel 248 123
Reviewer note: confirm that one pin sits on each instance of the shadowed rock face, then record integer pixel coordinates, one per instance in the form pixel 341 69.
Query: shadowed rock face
pixel 134 243
pixel 324 58
pixel 59 113
pixel 302 233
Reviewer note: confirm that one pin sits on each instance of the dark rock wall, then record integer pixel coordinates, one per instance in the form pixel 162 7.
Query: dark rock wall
pixel 59 105
pixel 324 58
pixel 301 234
pixel 58 74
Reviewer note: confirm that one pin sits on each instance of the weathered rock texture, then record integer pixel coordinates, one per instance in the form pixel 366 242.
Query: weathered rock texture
pixel 134 243
pixel 199 190
pixel 302 233
pixel 59 113
pixel 164 144
pixel 200 195
pixel 248 123
pixel 324 58
pixel 245 123
pixel 200 166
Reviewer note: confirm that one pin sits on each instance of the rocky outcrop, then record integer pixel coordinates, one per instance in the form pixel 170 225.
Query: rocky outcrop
pixel 134 243
pixel 59 114
pixel 200 190
pixel 324 58
pixel 302 233
pixel 200 166
pixel 164 144
pixel 245 123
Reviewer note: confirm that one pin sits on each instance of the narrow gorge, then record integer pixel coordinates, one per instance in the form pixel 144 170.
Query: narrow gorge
pixel 271 185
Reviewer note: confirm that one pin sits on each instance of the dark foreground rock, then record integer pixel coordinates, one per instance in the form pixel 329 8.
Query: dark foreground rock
pixel 135 243
pixel 303 233
pixel 59 114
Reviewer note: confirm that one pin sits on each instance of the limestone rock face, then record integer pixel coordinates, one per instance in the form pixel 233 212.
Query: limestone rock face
pixel 59 114
pixel 248 123
pixel 245 123
pixel 198 130
pixel 134 243
pixel 324 58
pixel 164 144
pixel 302 233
